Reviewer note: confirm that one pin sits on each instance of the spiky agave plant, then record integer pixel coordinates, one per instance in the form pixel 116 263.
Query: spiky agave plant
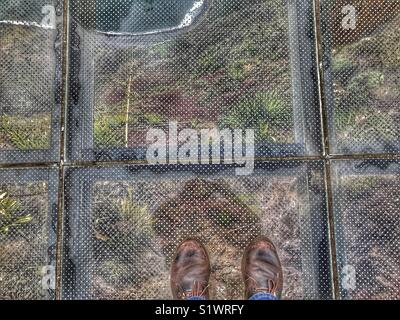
pixel 9 217
pixel 123 233
pixel 135 215
pixel 124 225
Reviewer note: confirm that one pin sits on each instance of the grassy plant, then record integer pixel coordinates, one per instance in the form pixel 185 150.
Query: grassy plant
pixel 360 185
pixel 195 123
pixel 224 218
pixel 343 69
pixel 136 215
pixel 26 133
pixel 9 217
pixel 123 225
pixel 363 124
pixel 262 112
pixel 209 62
pixel 154 119
pixel 391 42
pixel 109 130
pixel 123 231
pixel 238 70
pixel 359 92
pixel 365 88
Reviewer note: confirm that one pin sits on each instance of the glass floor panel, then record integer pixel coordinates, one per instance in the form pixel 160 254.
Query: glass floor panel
pixel 362 68
pixel 366 198
pixel 123 226
pixel 28 220
pixel 233 65
pixel 30 80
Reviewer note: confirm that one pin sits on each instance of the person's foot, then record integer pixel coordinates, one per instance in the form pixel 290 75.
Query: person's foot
pixel 190 271
pixel 261 269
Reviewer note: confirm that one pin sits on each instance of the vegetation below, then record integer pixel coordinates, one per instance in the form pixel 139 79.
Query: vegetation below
pixel 230 79
pixel 367 90
pixel 23 239
pixel 25 133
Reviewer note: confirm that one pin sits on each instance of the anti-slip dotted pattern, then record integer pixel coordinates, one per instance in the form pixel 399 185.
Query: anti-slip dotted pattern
pixel 136 65
pixel 27 233
pixel 30 57
pixel 121 241
pixel 204 64
pixel 362 64
pixel 367 209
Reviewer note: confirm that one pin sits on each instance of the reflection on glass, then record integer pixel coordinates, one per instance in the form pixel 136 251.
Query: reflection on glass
pixel 146 16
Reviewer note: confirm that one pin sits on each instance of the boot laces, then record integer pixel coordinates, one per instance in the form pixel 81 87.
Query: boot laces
pixel 198 290
pixel 272 286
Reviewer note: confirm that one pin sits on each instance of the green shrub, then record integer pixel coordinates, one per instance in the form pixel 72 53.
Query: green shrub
pixel 109 130
pixel 263 112
pixel 123 231
pixel 366 124
pixel 360 90
pixel 9 216
pixel 343 69
pixel 123 225
pixel 154 119
pixel 238 70
pixel 26 133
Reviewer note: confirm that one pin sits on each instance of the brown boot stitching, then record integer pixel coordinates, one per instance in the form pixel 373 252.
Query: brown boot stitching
pixel 191 293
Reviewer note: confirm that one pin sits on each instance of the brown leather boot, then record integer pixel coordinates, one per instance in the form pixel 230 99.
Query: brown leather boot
pixel 261 269
pixel 190 271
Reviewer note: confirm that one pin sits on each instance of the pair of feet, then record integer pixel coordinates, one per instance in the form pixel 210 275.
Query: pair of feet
pixel 261 270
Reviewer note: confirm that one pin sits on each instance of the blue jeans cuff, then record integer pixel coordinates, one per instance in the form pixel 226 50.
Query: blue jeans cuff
pixel 263 296
pixel 194 298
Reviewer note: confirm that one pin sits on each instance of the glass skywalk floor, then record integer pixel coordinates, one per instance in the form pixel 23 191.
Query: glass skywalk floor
pixel 121 125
